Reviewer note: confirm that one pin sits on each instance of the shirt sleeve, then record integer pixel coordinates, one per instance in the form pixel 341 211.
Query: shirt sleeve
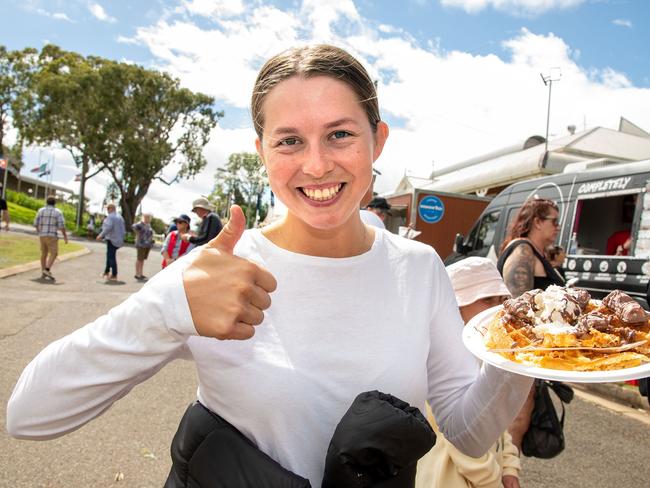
pixel 78 377
pixel 107 226
pixel 472 406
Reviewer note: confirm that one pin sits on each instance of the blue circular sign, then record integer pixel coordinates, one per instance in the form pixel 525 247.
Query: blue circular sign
pixel 431 209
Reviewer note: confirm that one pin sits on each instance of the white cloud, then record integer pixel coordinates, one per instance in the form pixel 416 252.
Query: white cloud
pixel 99 13
pixel 46 13
pixel 515 7
pixel 452 105
pixel 623 23
pixel 215 9
pixel 61 16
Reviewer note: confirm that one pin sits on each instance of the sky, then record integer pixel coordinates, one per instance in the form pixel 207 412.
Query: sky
pixel 456 78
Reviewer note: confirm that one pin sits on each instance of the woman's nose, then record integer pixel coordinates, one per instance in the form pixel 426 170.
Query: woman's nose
pixel 317 162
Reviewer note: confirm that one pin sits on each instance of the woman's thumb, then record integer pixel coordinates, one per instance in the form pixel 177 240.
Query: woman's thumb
pixel 231 233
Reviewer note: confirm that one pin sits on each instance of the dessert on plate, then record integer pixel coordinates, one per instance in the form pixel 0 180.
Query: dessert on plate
pixel 564 328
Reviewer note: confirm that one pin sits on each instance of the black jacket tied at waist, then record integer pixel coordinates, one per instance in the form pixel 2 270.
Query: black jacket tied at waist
pixel 377 443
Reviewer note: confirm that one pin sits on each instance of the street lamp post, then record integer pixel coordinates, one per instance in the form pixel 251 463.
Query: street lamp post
pixel 548 80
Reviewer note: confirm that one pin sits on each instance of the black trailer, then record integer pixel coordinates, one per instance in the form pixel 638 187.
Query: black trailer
pixel 598 208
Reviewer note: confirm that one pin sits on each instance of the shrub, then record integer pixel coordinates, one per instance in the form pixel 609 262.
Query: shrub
pixel 30 203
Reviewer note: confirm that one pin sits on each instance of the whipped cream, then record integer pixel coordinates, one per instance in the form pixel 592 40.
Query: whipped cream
pixel 552 308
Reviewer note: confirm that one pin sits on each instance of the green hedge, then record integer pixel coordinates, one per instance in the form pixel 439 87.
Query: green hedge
pixel 29 203
pixel 21 215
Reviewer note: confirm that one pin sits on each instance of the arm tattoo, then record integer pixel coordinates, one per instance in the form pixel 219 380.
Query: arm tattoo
pixel 519 270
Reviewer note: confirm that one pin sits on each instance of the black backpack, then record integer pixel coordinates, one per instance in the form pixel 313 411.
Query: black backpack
pixel 545 435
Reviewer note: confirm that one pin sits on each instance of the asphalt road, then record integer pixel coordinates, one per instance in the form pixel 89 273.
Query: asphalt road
pixel 133 437
pixel 129 445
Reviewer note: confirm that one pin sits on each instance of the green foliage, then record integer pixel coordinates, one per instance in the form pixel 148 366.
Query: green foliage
pixel 158 225
pixel 24 200
pixel 21 215
pixel 241 181
pixel 117 117
pixel 15 68
pixel 25 208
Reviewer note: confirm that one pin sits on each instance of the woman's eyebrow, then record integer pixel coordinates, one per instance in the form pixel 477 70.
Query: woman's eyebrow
pixel 285 130
pixel 336 123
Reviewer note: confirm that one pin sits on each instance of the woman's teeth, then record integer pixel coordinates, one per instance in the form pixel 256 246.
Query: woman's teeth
pixel 322 194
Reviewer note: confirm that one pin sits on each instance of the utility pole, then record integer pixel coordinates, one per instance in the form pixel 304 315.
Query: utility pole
pixel 548 80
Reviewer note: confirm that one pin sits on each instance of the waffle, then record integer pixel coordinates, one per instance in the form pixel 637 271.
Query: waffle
pixel 560 328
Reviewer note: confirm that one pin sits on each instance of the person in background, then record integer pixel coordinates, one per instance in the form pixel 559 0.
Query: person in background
pixel 143 244
pixel 172 227
pixel 4 213
pixel 175 246
pixel 376 212
pixel 210 223
pixel 478 287
pixel 524 267
pixel 48 222
pixel 90 227
pixel 113 232
pixel 556 256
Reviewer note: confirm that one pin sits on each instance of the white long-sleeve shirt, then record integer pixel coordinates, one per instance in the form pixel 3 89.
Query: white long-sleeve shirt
pixel 385 320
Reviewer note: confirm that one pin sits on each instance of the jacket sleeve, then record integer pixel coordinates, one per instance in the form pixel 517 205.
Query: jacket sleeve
pixel 472 406
pixel 78 377
pixel 511 463
pixel 480 472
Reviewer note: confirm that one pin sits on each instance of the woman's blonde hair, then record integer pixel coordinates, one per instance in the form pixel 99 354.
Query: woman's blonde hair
pixel 308 62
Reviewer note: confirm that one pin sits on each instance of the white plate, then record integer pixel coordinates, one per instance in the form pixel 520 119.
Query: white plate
pixel 473 340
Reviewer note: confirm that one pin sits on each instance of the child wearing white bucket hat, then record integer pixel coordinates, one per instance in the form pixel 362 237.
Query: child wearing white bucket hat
pixel 478 286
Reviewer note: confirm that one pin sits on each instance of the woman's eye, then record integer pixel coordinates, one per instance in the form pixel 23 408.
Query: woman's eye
pixel 340 134
pixel 289 141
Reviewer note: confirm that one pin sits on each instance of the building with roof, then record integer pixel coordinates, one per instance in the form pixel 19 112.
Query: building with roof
pixel 488 174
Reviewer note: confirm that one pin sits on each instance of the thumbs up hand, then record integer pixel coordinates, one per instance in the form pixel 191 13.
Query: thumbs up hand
pixel 227 294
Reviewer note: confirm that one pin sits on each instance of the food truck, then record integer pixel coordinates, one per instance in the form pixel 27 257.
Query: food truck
pixel 437 216
pixel 604 225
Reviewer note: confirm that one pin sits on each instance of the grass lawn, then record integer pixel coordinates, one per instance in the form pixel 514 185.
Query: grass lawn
pixel 21 249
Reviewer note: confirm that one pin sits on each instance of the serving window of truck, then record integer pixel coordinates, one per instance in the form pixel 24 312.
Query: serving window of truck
pixel 605 223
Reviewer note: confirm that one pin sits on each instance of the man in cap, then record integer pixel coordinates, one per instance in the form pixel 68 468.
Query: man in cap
pixel 478 286
pixel 210 225
pixel 376 212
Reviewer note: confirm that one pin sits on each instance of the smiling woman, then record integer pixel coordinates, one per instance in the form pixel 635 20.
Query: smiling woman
pixel 321 306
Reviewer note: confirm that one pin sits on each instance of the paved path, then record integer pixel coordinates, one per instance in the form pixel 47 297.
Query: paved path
pixel 133 437
pixel 605 448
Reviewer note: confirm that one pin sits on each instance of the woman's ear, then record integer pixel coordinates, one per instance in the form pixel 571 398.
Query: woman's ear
pixel 381 134
pixel 259 148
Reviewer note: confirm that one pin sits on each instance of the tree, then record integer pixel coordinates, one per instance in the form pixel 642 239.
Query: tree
pixel 242 181
pixel 120 118
pixel 67 104
pixel 15 69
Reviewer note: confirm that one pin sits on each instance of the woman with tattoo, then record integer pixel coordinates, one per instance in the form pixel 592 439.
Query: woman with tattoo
pixel 524 267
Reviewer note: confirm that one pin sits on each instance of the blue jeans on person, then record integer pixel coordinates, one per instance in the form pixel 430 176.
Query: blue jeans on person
pixel 111 259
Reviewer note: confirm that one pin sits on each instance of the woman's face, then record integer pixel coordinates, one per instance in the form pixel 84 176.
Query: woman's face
pixel 318 148
pixel 549 226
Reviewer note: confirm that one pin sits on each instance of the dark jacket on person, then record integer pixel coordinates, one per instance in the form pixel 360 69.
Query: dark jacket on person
pixel 210 228
pixel 377 443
